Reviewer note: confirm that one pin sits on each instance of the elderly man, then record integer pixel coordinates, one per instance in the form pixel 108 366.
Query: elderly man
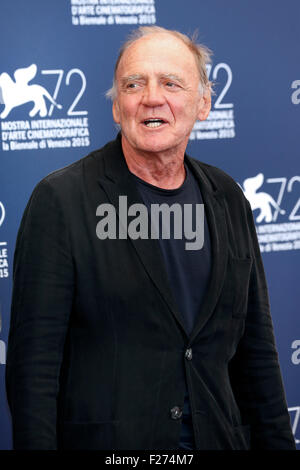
pixel 125 336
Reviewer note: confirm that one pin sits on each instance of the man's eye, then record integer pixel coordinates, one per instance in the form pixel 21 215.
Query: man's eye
pixel 132 86
pixel 171 85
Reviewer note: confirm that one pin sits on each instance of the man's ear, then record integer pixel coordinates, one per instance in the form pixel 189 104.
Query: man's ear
pixel 205 106
pixel 116 112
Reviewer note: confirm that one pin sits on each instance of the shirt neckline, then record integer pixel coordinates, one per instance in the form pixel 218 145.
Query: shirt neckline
pixel 164 191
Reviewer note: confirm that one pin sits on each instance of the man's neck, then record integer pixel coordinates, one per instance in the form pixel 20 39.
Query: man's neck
pixel 163 169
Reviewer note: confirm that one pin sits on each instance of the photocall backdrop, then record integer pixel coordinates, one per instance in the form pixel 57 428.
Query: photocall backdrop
pixel 56 63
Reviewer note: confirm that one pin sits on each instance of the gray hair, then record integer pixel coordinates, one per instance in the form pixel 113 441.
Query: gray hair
pixel 201 54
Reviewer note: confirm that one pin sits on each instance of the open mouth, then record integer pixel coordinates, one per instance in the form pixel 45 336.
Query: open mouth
pixel 155 122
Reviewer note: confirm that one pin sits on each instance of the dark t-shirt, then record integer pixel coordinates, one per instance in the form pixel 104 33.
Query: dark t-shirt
pixel 188 270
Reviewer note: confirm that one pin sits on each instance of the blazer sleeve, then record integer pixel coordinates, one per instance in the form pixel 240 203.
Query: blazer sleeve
pixel 43 280
pixel 254 370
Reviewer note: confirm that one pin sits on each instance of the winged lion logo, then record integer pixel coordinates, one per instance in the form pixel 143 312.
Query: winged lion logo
pixel 260 200
pixel 18 92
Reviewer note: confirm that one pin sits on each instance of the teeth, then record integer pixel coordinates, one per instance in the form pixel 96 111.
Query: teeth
pixel 153 123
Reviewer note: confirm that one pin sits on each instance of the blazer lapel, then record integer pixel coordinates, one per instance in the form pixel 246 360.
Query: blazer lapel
pixel 213 200
pixel 118 182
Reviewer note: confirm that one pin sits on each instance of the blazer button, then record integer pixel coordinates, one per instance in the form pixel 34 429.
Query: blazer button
pixel 189 354
pixel 176 412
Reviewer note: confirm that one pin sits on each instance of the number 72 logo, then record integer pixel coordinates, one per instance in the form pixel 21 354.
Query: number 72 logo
pixel 60 73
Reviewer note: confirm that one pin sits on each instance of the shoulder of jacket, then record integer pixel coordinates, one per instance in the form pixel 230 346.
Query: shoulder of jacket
pixel 222 181
pixel 72 174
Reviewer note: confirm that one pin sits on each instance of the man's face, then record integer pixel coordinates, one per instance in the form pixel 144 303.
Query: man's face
pixel 158 99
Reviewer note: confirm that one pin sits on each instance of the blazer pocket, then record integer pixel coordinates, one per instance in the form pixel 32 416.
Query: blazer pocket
pixel 89 436
pixel 240 272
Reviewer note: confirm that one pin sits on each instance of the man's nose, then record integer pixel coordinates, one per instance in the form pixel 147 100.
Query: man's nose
pixel 153 95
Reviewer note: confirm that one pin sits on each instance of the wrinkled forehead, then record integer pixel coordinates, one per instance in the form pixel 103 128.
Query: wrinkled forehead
pixel 158 50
